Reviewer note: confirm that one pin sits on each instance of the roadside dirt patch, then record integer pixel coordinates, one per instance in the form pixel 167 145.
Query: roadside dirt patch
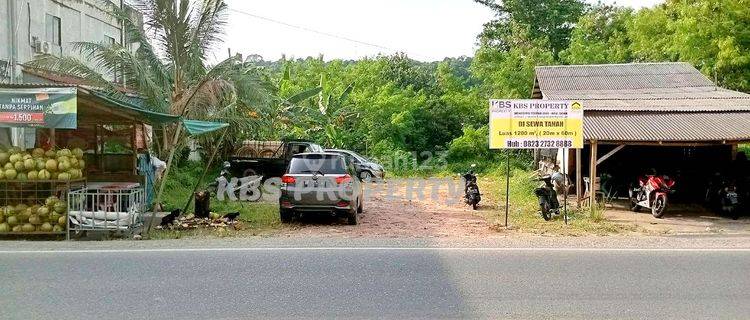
pixel 398 209
pixel 678 219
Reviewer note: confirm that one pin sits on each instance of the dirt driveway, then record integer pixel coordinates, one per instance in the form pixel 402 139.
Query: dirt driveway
pixel 398 209
pixel 678 219
pixel 433 208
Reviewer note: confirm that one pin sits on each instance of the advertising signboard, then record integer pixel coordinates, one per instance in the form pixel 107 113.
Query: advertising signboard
pixel 38 107
pixel 536 124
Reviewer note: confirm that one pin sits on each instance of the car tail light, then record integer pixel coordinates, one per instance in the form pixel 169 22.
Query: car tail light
pixel 286 204
pixel 343 179
pixel 288 179
pixel 342 204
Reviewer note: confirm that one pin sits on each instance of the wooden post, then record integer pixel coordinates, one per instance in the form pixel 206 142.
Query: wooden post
pixel 205 170
pixel 52 138
pixel 592 175
pixel 164 176
pixel 579 181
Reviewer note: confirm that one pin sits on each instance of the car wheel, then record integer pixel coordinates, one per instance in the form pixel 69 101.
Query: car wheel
pixel 366 176
pixel 285 215
pixel 353 218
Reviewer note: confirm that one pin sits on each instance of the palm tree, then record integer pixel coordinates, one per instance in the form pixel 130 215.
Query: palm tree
pixel 169 68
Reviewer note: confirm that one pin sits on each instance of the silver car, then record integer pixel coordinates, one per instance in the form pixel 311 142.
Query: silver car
pixel 320 183
pixel 367 169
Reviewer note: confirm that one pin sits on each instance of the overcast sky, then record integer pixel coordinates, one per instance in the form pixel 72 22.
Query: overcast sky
pixel 350 29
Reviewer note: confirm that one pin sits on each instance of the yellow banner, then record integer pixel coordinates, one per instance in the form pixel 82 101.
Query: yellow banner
pixel 534 124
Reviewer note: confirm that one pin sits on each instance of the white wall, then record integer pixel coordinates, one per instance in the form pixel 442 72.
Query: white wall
pixel 79 20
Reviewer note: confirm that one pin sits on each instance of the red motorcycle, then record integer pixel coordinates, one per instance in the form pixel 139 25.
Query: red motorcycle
pixel 651 194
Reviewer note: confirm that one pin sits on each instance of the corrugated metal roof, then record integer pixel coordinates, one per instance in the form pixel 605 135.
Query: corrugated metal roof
pixel 667 126
pixel 669 101
pixel 620 76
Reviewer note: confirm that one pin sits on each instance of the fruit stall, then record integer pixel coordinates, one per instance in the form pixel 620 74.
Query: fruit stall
pixel 68 159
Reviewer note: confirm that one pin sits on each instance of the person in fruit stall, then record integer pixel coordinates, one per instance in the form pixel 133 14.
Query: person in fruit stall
pixel 148 171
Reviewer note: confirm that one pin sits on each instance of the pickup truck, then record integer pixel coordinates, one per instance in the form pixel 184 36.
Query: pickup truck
pixel 267 158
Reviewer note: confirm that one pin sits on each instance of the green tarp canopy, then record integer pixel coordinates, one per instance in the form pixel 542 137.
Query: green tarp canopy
pixel 193 127
pixel 197 127
pixel 136 105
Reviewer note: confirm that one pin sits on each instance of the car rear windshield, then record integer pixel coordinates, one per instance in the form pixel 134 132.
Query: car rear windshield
pixel 317 163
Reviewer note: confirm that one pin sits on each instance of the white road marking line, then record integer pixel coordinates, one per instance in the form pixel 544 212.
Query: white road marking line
pixel 261 249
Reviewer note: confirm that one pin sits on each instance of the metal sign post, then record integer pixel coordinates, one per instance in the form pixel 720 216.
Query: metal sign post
pixel 507 186
pixel 535 124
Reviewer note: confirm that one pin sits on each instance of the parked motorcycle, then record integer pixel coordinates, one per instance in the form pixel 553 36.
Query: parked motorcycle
pixel 239 188
pixel 548 204
pixel 471 189
pixel 722 196
pixel 225 175
pixel 651 194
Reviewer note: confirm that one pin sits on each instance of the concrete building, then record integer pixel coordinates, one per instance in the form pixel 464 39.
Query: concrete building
pixel 32 27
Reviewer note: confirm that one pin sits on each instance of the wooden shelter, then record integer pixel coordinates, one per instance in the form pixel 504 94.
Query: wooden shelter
pixel 110 130
pixel 666 114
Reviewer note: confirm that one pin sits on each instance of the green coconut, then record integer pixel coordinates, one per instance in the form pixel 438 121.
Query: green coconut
pixel 4 227
pixel 4 157
pixel 57 228
pixel 60 207
pixel 42 211
pixel 62 220
pixel 63 176
pixel 54 216
pixel 81 164
pixel 53 176
pixel 37 152
pixel 2 219
pixel 40 163
pixel 8 165
pixel 29 164
pixel 19 166
pixel 51 200
pixel 45 227
pixel 50 154
pixel 10 174
pixel 16 229
pixel 15 157
pixel 22 176
pixel 43 175
pixel 78 153
pixel 28 227
pixel 51 165
pixel 34 219
pixel 63 165
pixel 20 208
pixel 33 175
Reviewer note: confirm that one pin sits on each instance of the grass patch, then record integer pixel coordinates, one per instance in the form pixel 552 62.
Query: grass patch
pixel 258 217
pixel 524 209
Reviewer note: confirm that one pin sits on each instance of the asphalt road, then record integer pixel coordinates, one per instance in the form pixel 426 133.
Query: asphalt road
pixel 390 283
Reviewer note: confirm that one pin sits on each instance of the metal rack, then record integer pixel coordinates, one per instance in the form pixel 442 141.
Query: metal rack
pixel 112 210
pixel 34 193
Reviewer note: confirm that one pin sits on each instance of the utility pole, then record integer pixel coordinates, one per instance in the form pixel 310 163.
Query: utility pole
pixel 12 37
pixel 122 43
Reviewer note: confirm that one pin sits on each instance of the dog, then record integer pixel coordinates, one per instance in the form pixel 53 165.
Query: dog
pixel 170 218
pixel 231 216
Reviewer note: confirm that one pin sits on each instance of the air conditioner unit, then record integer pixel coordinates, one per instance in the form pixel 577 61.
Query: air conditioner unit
pixel 36 45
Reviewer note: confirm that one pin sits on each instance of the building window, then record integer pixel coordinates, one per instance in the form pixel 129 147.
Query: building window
pixel 108 41
pixel 53 29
